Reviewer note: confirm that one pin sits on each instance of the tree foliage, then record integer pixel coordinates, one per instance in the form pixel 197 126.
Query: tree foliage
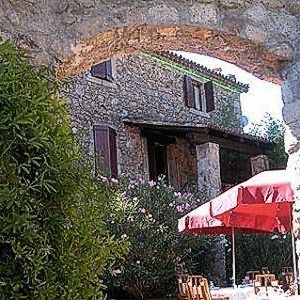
pixel 272 130
pixel 53 241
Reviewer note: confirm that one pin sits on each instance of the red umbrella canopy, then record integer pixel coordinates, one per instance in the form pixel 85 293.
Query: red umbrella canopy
pixel 264 202
pixel 200 221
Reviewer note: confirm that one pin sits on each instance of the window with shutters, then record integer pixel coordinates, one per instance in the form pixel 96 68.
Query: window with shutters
pixel 103 71
pixel 199 96
pixel 105 148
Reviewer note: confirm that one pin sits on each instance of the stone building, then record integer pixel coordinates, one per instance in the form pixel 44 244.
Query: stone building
pixel 158 113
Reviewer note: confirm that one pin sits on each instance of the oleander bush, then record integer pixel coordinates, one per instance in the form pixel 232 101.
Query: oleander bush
pixel 54 243
pixel 146 214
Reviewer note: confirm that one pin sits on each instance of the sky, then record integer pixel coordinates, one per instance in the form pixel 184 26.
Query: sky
pixel 263 97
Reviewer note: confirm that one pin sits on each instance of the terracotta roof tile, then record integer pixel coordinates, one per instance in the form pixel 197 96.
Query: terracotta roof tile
pixel 228 79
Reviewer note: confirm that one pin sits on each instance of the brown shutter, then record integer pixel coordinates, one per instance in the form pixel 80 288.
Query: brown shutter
pixel 113 152
pixel 188 92
pixel 209 96
pixel 109 76
pixel 105 150
pixel 99 70
pixel 103 70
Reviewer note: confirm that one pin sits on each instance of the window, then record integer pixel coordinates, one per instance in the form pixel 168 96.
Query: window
pixel 105 150
pixel 198 95
pixel 158 164
pixel 103 71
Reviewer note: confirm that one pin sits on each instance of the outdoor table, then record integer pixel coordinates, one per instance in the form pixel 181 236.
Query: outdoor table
pixel 247 293
pixel 244 293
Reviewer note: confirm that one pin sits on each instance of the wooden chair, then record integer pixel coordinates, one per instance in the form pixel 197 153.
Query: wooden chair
pixel 265 270
pixel 182 287
pixel 265 281
pixel 288 278
pixel 251 274
pixel 287 270
pixel 198 289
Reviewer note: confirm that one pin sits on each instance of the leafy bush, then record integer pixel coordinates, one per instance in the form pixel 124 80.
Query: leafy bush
pixel 53 241
pixel 146 214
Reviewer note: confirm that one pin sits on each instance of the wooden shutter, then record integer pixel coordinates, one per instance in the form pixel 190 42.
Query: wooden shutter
pixel 105 150
pixel 113 152
pixel 99 70
pixel 209 96
pixel 109 76
pixel 188 92
pixel 103 70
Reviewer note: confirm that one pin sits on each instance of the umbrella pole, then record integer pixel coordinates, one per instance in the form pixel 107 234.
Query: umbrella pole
pixel 233 259
pixel 294 261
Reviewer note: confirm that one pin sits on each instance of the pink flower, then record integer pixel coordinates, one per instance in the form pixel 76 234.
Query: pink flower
pixel 179 208
pixel 103 178
pixel 152 183
pixel 117 272
pixel 114 180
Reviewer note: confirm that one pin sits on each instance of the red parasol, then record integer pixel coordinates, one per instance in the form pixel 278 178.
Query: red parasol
pixel 259 205
pixel 264 202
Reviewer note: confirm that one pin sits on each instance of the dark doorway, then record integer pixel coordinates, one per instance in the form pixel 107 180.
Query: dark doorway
pixel 158 165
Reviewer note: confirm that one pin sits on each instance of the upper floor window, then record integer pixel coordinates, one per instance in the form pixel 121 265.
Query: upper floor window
pixel 103 71
pixel 199 95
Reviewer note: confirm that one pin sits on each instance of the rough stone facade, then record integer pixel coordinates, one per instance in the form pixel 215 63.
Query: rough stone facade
pixel 209 177
pixel 209 168
pixel 145 90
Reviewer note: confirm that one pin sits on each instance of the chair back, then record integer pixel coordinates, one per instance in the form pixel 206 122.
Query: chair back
pixel 287 270
pixel 182 287
pixel 251 274
pixel 288 278
pixel 198 288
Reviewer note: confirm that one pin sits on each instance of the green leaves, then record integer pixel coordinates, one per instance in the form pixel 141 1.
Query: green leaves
pixel 146 215
pixel 53 241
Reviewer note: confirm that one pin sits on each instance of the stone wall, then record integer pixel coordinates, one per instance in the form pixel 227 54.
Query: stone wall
pixel 182 165
pixel 142 90
pixel 256 35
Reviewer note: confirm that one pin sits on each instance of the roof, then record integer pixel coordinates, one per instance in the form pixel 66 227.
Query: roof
pixel 209 133
pixel 226 79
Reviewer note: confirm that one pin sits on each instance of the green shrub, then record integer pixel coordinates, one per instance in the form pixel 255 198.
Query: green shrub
pixel 146 214
pixel 263 250
pixel 53 241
